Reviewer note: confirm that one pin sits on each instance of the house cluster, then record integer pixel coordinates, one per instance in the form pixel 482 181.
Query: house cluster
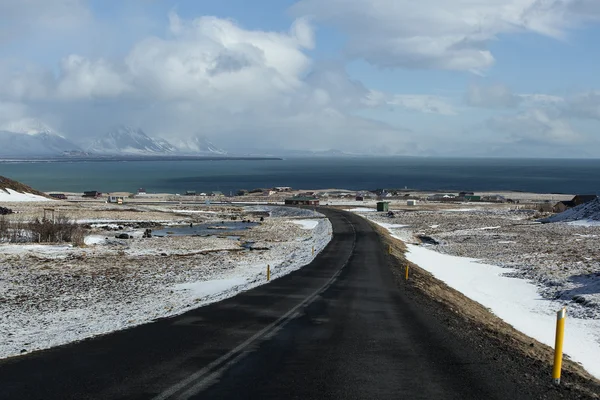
pixel 468 197
pixel 574 202
pixel 214 193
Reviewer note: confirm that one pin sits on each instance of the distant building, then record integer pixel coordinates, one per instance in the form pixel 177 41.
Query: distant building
pixel 93 194
pixel 583 198
pixel 465 194
pixel 59 196
pixel 282 189
pixel 190 192
pixel 411 202
pixel 115 199
pixel 215 193
pixel 359 198
pixel 302 201
pixel 472 198
pixel 383 206
pixel 495 198
pixel 576 201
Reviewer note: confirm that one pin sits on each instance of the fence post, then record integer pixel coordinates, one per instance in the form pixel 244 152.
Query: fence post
pixel 558 345
pixel 268 272
pixel 406 273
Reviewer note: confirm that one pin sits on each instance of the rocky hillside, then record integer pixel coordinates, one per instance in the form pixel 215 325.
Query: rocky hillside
pixel 588 211
pixel 6 183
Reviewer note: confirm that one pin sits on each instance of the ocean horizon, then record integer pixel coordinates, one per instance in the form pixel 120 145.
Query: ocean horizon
pixel 359 173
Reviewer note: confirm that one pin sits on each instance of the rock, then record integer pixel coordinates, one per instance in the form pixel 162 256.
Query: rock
pixel 122 236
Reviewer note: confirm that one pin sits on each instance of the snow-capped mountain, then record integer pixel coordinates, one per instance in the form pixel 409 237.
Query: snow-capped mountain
pixel 130 141
pixel 31 138
pixel 197 145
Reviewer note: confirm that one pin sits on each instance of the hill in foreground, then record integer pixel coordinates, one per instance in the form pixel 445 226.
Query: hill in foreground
pixel 11 190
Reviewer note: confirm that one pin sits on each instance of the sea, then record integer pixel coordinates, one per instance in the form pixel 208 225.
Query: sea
pixel 228 176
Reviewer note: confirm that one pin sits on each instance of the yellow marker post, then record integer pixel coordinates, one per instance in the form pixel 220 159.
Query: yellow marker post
pixel 390 249
pixel 558 346
pixel 406 273
pixel 268 272
pixel 313 250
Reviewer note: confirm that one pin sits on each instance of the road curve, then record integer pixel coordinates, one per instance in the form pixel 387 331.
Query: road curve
pixel 339 328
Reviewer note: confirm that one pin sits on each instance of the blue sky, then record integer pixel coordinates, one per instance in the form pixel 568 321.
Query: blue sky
pixel 424 78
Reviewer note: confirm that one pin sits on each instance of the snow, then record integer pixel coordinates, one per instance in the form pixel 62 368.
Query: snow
pixel 14 196
pixel 203 289
pixel 49 302
pixel 306 223
pixel 6 249
pixel 514 300
pixel 94 239
pixel 589 211
pixel 584 222
pixel 362 209
pixel 390 226
pixel 194 211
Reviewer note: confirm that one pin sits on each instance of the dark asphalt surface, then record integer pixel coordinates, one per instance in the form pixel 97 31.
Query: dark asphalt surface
pixel 339 328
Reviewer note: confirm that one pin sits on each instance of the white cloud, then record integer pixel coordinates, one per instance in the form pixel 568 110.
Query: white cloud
pixel 492 96
pixel 535 125
pixel 245 88
pixel 584 105
pixel 83 78
pixel 428 104
pixel 441 34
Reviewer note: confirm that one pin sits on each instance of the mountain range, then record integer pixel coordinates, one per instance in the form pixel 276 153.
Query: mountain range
pixel 34 139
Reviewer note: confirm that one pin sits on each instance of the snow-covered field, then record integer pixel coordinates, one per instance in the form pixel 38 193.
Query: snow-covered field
pixel 473 259
pixel 51 294
pixel 12 196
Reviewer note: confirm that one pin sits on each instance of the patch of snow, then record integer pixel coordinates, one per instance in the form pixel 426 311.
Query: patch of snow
pixel 514 300
pixel 584 222
pixel 589 211
pixel 194 211
pixel 434 226
pixel 14 196
pixel 461 210
pixel 94 239
pixel 306 223
pixel 506 241
pixel 391 226
pixel 33 248
pixel 203 289
pixel 91 303
pixel 361 209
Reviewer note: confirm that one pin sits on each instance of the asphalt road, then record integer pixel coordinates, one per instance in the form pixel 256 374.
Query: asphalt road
pixel 339 328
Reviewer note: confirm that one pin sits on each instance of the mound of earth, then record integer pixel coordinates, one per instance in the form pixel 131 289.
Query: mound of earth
pixel 6 183
pixel 588 211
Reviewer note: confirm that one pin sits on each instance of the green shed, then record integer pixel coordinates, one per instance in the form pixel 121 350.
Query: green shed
pixel 472 198
pixel 383 206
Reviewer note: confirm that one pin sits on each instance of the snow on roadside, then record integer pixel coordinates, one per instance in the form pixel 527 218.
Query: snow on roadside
pixel 47 304
pixel 17 197
pixel 514 300
pixel 306 223
pixel 361 209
